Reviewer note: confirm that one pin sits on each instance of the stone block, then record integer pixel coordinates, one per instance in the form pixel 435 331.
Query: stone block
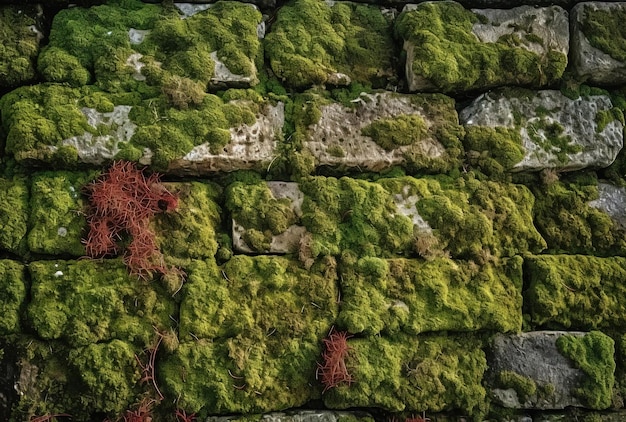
pixel 597 33
pixel 381 130
pixel 551 370
pixel 520 130
pixel 452 49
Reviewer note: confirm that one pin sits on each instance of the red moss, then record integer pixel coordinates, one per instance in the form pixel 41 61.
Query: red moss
pixel 123 201
pixel 334 371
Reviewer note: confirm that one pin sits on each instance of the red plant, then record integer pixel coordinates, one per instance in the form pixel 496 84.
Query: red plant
pixel 148 368
pixel 122 201
pixel 182 416
pixel 334 371
pixel 143 412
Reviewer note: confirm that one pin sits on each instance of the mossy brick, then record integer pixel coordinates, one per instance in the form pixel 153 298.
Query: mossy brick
pixel 251 333
pixel 416 296
pixel 258 297
pixel 58 212
pixel 64 126
pixel 449 48
pixel 127 45
pixel 12 295
pixel 565 215
pixel 594 355
pixel 406 373
pixel 84 302
pixel 575 291
pixel 313 42
pixel 81 381
pixel 378 130
pixel 14 211
pixel 19 44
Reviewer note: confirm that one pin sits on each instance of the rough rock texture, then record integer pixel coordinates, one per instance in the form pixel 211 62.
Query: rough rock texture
pixel 376 133
pixel 530 370
pixel 542 130
pixel 519 46
pixel 612 200
pixel 589 58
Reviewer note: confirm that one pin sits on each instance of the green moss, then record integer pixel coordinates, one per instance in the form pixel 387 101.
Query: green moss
pixel 568 223
pixel 13 215
pixel 254 207
pixel 414 373
pixel 391 133
pixel 494 150
pixel 605 31
pixel 593 354
pixel 575 291
pixel 19 46
pixel 450 57
pixel 251 334
pixel 524 387
pixel 414 296
pixel 190 231
pixel 604 117
pixel 12 295
pixel 84 302
pixel 310 41
pixel 548 135
pixel 57 217
pixel 110 375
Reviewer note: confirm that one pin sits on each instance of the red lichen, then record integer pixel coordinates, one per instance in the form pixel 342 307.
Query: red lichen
pixel 334 371
pixel 122 202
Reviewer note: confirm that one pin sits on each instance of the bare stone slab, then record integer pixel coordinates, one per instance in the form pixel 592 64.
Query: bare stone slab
pixel 589 61
pixel 553 131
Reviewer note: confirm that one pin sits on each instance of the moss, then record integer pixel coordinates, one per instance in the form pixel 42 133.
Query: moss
pixel 57 217
pixel 451 58
pixel 604 30
pixel 310 41
pixel 593 354
pixel 414 296
pixel 605 117
pixel 548 135
pixel 13 214
pixel 12 294
pixel 391 133
pixel 431 373
pixel 524 387
pixel 575 291
pixel 568 223
pixel 191 231
pixel 251 334
pixel 494 150
pixel 110 375
pixel 84 302
pixel 19 46
pixel 254 207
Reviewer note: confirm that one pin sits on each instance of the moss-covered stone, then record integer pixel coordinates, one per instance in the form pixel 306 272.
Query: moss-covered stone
pixel 604 30
pixel 251 335
pixel 13 214
pixel 19 45
pixel 444 54
pixel 568 222
pixel 12 295
pixel 126 45
pixel 575 291
pixel 414 296
pixel 430 373
pixel 58 210
pixel 84 302
pixel 593 354
pixel 313 42
pixel 523 386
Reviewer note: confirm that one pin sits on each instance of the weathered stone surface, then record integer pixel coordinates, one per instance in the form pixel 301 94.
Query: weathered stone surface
pixel 297 416
pixel 385 129
pixel 530 370
pixel 590 59
pixel 251 147
pixel 612 200
pixel 519 46
pixel 530 131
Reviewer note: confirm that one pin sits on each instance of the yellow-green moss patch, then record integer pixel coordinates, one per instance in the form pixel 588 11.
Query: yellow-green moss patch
pixel 13 214
pixel 415 296
pixel 12 295
pixel 19 45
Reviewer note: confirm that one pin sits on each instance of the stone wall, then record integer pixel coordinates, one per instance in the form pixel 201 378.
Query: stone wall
pixel 373 211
